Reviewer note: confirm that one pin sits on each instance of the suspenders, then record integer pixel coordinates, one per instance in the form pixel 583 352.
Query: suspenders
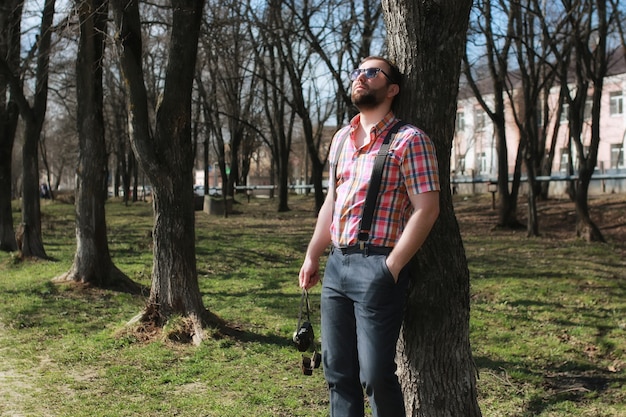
pixel 374 187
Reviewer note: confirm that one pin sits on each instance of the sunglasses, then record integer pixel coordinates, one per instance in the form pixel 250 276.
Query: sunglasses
pixel 369 73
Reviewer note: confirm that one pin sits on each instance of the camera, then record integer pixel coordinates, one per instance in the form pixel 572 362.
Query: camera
pixel 303 338
pixel 308 364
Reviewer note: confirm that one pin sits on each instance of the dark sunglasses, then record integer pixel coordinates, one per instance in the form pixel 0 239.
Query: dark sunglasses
pixel 369 73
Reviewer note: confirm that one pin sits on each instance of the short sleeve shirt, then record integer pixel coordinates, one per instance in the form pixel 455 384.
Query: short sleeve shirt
pixel 410 168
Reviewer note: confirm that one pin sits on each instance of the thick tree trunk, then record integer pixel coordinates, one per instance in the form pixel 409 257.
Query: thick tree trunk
pixel 585 227
pixel 283 181
pixel 7 136
pixel 436 368
pixel 174 277
pixel 10 18
pixel 167 160
pixel 8 124
pixel 29 235
pixel 92 261
pixel 507 200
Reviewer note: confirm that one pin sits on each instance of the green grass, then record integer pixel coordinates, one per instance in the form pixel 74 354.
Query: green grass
pixel 548 324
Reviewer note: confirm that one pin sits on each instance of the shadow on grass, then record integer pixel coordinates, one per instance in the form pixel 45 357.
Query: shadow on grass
pixel 571 386
pixel 570 382
pixel 246 336
pixel 48 306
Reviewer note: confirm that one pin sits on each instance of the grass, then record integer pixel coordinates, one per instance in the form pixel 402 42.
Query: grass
pixel 548 326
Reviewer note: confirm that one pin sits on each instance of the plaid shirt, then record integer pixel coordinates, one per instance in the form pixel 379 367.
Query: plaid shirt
pixel 411 167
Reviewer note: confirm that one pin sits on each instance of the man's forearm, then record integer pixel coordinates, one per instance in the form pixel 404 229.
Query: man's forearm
pixel 426 211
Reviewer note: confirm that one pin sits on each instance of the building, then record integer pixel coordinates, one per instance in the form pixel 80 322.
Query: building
pixel 474 157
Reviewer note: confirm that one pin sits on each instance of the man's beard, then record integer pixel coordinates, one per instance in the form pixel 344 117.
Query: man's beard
pixel 367 100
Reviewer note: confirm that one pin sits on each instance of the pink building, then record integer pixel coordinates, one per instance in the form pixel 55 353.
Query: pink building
pixel 474 155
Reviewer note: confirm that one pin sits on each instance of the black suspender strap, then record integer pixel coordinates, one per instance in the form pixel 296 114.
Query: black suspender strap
pixel 374 187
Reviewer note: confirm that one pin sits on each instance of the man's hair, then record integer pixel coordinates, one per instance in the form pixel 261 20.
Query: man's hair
pixel 394 72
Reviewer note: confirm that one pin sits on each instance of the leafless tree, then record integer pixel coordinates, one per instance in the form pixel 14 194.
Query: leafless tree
pixel 227 95
pixel 497 50
pixel 436 366
pixel 586 49
pixel 166 156
pixel 92 262
pixel 310 46
pixel 10 18
pixel 528 92
pixel 29 237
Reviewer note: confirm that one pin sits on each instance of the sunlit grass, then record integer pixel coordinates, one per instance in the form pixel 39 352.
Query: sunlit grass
pixel 547 324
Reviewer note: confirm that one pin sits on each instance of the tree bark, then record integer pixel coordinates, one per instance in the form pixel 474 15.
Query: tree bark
pixel 10 19
pixel 436 368
pixel 92 261
pixel 167 159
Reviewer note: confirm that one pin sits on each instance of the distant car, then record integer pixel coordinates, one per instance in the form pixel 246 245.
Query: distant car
pixel 199 190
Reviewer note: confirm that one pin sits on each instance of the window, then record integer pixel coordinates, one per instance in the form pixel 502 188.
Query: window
pixel 460 121
pixel 616 103
pixel 482 161
pixel 480 119
pixel 617 155
pixel 564 168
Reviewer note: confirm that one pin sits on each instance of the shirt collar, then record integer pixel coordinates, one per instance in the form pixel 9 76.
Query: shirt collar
pixel 380 128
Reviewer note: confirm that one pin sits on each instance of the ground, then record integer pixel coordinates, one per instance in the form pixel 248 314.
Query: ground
pixel 557 217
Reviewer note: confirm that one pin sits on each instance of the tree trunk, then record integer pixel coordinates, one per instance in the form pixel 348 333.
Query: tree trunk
pixel 10 19
pixel 29 237
pixel 92 261
pixel 436 368
pixel 283 177
pixel 167 160
pixel 585 227
pixel 317 169
pixel 530 157
pixel 7 137
pixel 532 224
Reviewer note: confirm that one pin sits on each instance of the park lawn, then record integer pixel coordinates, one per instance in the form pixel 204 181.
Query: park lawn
pixel 548 320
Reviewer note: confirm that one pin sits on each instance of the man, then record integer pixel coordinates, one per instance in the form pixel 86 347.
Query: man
pixel 363 292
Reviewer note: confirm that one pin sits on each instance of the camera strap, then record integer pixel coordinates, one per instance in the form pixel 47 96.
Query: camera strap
pixel 305 307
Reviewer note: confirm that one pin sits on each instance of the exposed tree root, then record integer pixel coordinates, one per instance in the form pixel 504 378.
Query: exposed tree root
pixel 114 280
pixel 150 325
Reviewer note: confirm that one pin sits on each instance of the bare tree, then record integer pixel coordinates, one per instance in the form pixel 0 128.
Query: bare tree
pixel 497 49
pixel 10 18
pixel 227 95
pixel 351 32
pixel 536 76
pixel 29 237
pixel 166 156
pixel 281 61
pixel 92 262
pixel 588 24
pixel 427 38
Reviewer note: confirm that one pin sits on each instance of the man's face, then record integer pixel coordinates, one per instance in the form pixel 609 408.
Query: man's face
pixel 368 93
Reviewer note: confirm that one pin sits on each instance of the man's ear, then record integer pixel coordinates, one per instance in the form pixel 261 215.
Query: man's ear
pixel 393 90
